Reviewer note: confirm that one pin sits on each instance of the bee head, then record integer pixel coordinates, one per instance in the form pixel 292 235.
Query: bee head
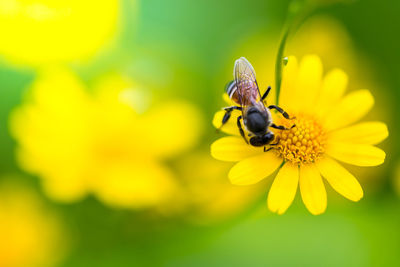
pixel 262 140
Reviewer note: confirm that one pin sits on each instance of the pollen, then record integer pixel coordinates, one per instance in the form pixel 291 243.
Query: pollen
pixel 304 143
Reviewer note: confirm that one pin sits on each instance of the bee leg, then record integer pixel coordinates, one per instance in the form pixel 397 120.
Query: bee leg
pixel 264 96
pixel 280 127
pixel 241 129
pixel 280 110
pixel 266 150
pixel 227 115
pixel 276 143
pixel 271 146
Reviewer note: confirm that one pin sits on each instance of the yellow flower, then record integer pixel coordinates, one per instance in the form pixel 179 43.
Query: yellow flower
pixel 324 133
pixel 44 31
pixel 30 234
pixel 111 143
pixel 328 38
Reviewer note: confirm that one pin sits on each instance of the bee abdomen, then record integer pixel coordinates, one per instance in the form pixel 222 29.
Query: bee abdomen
pixel 231 90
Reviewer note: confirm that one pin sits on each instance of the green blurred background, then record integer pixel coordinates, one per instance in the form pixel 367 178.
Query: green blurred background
pixel 185 50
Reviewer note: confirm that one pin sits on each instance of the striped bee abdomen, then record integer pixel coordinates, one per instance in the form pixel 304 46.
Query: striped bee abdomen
pixel 231 90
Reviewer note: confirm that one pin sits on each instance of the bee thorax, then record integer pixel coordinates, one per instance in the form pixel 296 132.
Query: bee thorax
pixel 256 122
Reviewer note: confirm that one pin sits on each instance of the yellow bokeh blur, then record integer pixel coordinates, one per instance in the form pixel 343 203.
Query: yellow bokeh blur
pixel 207 195
pixel 30 234
pixel 321 35
pixel 44 31
pixel 111 143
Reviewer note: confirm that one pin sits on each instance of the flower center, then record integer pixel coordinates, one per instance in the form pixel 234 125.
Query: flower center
pixel 305 143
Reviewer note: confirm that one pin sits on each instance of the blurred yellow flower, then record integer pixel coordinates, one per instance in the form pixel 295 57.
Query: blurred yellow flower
pixel 30 234
pixel 111 143
pixel 396 178
pixel 323 134
pixel 44 31
pixel 206 195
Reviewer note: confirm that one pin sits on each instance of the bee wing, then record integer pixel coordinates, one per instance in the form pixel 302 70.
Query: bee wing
pixel 245 79
pixel 243 70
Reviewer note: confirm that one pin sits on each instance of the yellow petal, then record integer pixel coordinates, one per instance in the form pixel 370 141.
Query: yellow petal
pixel 333 87
pixel 352 108
pixel 228 100
pixel 308 81
pixel 289 78
pixel 254 169
pixel 368 133
pixel 340 179
pixel 312 189
pixel 356 154
pixel 233 148
pixel 283 189
pixel 300 85
pixel 231 126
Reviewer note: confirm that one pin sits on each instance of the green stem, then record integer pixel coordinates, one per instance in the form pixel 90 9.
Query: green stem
pixel 279 63
pixel 296 15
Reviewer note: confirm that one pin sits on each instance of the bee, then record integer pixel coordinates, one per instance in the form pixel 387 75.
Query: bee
pixel 256 116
